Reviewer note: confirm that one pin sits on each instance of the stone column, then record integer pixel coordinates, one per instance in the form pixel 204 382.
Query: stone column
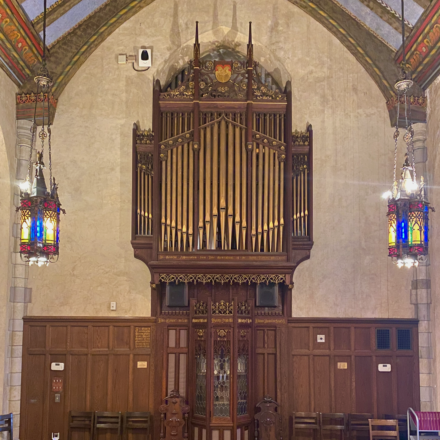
pixel 20 294
pixel 421 292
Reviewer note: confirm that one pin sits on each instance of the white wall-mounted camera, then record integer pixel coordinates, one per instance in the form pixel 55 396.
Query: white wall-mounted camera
pixel 144 58
pixel 140 62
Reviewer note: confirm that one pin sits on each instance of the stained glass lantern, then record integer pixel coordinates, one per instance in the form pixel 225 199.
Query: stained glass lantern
pixel 40 220
pixel 40 207
pixel 408 220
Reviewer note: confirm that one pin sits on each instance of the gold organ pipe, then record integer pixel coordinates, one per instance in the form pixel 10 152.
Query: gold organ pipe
pixel 191 190
pixel 142 200
pixel 267 153
pixel 294 204
pixel 230 182
pixel 298 201
pixel 302 202
pixel 254 190
pixel 237 182
pixel 201 187
pixel 164 190
pixel 306 214
pixel 280 247
pixel 222 182
pixel 174 191
pixel 138 170
pixel 260 196
pixel 168 185
pixel 185 189
pixel 150 213
pixel 147 212
pixel 214 184
pixel 271 167
pixel 243 185
pixel 178 177
pixel 276 200
pixel 208 186
pixel 281 188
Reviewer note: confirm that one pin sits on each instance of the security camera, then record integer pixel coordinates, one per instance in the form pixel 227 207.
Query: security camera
pixel 144 58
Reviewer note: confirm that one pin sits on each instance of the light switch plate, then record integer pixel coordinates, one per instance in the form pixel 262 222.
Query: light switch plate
pixel 384 368
pixel 320 338
pixel 113 305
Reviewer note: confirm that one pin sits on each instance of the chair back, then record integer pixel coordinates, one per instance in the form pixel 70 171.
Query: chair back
pixel 174 417
pixel 333 421
pixel 136 420
pixel 383 429
pixel 108 420
pixel 268 421
pixel 6 424
pixel 359 421
pixel 81 419
pixel 306 420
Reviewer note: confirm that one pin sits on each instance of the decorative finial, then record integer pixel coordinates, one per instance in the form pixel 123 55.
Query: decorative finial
pixel 196 44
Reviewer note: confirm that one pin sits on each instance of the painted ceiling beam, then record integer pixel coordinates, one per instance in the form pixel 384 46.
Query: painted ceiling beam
pixel 53 13
pixel 390 16
pixel 71 51
pixel 423 47
pixel 20 46
pixel 423 3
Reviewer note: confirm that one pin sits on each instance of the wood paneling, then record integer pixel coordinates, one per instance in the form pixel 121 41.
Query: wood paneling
pixel 101 371
pixel 341 374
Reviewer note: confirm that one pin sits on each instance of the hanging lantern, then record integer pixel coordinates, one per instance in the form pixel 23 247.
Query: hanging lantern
pixel 408 209
pixel 39 207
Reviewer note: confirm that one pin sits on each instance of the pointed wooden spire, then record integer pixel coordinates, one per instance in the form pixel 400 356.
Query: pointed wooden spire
pixel 250 47
pixel 196 45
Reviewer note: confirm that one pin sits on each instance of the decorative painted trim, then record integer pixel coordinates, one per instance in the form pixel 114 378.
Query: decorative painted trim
pixel 221 278
pixel 19 48
pixel 103 28
pixel 417 101
pixel 423 48
pixel 29 98
pixel 364 25
pixel 25 107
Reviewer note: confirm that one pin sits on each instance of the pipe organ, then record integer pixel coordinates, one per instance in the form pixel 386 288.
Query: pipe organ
pixel 222 211
pixel 222 170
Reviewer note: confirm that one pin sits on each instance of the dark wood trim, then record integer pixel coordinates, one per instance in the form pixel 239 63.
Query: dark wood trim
pixel 354 321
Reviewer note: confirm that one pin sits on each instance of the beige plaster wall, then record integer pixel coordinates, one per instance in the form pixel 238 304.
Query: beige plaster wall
pixel 349 274
pixel 7 178
pixel 433 164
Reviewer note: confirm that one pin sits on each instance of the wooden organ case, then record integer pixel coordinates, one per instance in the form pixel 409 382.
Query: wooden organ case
pixel 222 207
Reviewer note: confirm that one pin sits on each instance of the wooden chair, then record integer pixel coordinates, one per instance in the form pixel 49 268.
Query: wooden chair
pixel 377 430
pixel 136 420
pixel 174 417
pixel 358 423
pixel 81 420
pixel 268 421
pixel 306 420
pixel 108 420
pixel 402 421
pixel 6 424
pixel 333 422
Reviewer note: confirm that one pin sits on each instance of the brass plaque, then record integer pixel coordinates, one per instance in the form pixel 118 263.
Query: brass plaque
pixel 141 364
pixel 342 365
pixel 142 337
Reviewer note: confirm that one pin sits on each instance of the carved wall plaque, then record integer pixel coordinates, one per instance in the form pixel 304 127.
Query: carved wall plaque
pixel 142 337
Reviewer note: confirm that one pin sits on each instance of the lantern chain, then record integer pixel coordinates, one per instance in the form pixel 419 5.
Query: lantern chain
pixel 396 137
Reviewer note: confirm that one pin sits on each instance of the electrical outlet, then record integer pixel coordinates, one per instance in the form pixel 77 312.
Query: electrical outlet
pixel 55 436
pixel 113 305
pixel 320 338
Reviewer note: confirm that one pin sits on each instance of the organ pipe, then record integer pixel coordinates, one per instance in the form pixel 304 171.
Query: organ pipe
pixel 222 173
